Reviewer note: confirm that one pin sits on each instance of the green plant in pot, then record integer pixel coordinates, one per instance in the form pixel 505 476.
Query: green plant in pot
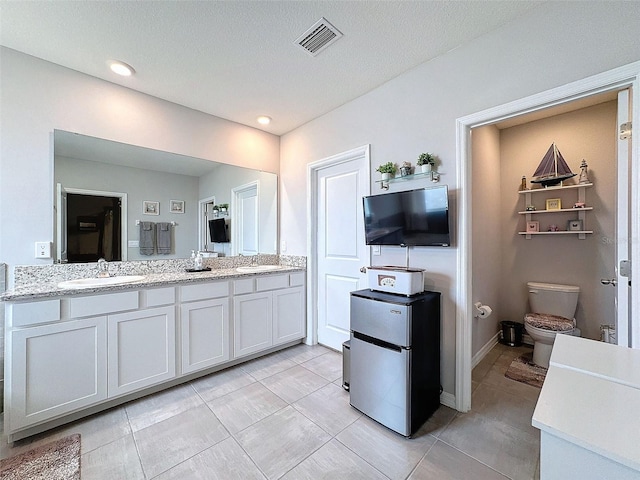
pixel 224 207
pixel 426 161
pixel 387 170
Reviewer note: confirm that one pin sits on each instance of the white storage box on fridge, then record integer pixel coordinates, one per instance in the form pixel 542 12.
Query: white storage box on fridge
pixel 400 280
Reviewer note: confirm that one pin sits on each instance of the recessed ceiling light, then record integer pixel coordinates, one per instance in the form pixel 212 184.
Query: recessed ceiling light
pixel 121 68
pixel 264 120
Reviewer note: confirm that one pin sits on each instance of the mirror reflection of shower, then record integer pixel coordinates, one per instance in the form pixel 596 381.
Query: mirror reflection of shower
pixel 214 230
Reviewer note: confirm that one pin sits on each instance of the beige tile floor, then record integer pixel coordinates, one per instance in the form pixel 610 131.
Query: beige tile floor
pixel 287 416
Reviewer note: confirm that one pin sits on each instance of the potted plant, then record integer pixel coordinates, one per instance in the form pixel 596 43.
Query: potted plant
pixel 216 210
pixel 387 170
pixel 426 162
pixel 224 207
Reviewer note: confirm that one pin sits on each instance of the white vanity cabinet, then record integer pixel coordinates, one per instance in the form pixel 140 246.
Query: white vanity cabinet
pixel 204 326
pixel 83 352
pixel 55 369
pixel 289 315
pixel 252 323
pixel 268 311
pixel 141 349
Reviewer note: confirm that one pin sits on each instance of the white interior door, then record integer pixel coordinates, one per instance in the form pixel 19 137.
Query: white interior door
pixel 623 223
pixel 340 244
pixel 245 222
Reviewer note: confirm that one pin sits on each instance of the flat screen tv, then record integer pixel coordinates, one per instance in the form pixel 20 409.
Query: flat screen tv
pixel 218 230
pixel 410 218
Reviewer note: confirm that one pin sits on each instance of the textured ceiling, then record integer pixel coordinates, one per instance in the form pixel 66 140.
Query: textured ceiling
pixel 238 59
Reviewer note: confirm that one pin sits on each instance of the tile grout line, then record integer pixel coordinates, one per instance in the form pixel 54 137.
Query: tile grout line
pixel 135 444
pixel 474 458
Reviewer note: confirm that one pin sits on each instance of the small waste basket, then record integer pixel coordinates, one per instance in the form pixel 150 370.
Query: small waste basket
pixel 346 354
pixel 511 333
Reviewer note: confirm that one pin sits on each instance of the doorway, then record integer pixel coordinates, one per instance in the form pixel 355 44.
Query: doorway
pixel 90 225
pixel 94 226
pixel 624 77
pixel 245 217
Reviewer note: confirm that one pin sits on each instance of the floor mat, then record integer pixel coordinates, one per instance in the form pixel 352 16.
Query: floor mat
pixel 59 460
pixel 522 369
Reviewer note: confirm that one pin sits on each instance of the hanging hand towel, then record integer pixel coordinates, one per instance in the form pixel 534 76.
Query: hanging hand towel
pixel 163 238
pixel 147 240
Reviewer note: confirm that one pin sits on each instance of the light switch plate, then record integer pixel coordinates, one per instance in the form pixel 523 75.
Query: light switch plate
pixel 376 249
pixel 43 249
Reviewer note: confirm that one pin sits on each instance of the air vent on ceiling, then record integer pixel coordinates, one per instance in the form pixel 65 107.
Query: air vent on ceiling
pixel 318 37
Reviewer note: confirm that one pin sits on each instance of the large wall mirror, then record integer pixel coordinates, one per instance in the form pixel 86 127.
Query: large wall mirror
pixel 108 193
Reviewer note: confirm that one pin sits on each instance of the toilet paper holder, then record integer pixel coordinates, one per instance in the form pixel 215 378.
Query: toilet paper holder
pixel 482 311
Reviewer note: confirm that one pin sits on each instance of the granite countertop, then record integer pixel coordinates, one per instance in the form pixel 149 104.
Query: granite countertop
pixel 43 289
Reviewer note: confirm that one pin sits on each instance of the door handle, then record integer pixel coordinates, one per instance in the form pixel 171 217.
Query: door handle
pixel 613 282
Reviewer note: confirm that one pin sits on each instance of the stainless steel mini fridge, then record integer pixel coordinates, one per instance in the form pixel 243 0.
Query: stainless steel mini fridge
pixel 395 357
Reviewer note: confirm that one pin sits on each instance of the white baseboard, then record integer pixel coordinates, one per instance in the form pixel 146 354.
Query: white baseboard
pixel 448 400
pixel 477 358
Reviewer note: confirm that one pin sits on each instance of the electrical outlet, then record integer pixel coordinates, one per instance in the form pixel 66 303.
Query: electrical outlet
pixel 376 249
pixel 283 246
pixel 133 243
pixel 43 249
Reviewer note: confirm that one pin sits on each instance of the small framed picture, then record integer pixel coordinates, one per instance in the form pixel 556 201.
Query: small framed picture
pixel 176 206
pixel 574 225
pixel 533 226
pixel 554 204
pixel 150 208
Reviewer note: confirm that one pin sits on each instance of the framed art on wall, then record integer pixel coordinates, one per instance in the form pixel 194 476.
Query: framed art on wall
pixel 176 206
pixel 150 208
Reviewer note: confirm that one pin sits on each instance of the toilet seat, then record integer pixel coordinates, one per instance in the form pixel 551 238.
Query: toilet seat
pixel 546 321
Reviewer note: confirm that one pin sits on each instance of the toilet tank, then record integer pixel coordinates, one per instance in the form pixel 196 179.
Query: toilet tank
pixel 553 299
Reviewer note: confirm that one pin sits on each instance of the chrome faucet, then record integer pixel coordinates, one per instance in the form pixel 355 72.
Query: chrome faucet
pixel 254 260
pixel 103 268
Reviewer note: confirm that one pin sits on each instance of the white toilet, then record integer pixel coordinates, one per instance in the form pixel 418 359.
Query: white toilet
pixel 553 307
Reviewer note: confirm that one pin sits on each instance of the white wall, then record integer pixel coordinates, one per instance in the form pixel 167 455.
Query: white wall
pixel 487 232
pixel 558 42
pixel 37 97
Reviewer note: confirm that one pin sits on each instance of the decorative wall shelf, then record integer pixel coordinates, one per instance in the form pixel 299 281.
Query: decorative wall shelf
pixel 562 232
pixel 432 175
pixel 552 191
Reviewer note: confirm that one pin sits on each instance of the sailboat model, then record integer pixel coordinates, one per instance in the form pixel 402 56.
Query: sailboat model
pixel 552 169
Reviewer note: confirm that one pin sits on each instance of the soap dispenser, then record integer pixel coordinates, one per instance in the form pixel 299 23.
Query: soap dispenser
pixel 198 261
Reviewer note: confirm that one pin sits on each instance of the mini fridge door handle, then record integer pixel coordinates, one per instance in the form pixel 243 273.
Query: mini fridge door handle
pixel 377 342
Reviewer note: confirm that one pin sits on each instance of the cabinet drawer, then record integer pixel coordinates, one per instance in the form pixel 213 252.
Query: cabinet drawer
pixel 244 285
pixel 32 313
pixel 99 304
pixel 296 279
pixel 160 296
pixel 271 282
pixel 202 291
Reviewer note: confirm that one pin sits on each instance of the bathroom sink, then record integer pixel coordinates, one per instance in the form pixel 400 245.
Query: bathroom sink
pixel 100 282
pixel 259 268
